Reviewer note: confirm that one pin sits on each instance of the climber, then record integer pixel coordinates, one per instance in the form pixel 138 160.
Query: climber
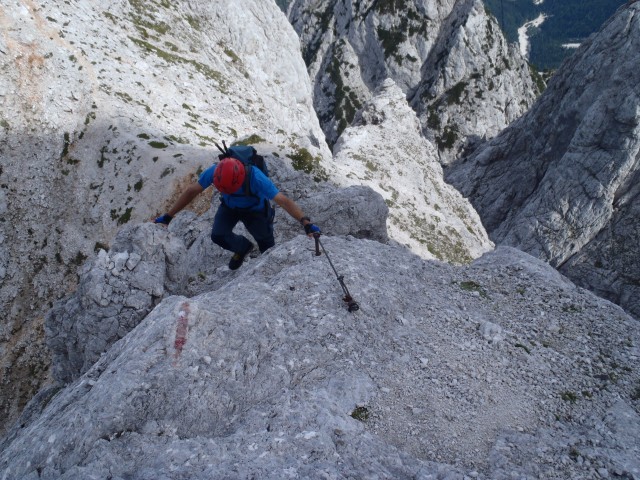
pixel 246 201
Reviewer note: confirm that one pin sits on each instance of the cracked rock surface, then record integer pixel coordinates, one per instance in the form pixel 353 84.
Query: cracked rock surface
pixel 496 369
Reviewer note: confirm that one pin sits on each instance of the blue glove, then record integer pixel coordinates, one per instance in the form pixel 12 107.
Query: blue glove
pixel 310 229
pixel 166 218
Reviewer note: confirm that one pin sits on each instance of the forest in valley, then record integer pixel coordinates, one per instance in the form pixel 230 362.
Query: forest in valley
pixel 567 22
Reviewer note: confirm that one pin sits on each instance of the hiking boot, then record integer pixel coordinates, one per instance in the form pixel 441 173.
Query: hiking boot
pixel 238 258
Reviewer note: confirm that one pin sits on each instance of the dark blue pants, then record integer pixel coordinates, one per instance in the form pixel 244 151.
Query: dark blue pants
pixel 259 225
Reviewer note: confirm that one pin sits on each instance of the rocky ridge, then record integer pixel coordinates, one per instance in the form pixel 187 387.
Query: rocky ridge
pixel 474 83
pixel 496 369
pixel 449 58
pixel 562 182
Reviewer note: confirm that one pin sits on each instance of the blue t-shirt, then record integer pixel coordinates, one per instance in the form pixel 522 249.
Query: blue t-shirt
pixel 260 186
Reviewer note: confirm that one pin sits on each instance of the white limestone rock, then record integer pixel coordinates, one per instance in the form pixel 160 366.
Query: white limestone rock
pixel 385 151
pixel 112 299
pixel 270 376
pixel 491 332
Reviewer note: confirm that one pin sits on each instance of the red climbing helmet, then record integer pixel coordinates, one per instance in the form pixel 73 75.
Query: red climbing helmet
pixel 228 175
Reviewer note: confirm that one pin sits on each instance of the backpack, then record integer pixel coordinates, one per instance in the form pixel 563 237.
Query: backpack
pixel 249 157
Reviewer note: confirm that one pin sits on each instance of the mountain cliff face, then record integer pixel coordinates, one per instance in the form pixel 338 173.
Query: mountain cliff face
pixel 448 57
pixel 562 182
pixel 105 111
pixel 474 83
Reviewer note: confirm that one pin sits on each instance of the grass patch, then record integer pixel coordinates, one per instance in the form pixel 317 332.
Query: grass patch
pixel 454 94
pixel 537 79
pixel 448 138
pixel 391 39
pixel 65 145
pixel 173 138
pixel 250 140
pixel 160 28
pixel 302 160
pixel 433 118
pixel 171 46
pixel 346 102
pixel 361 414
pixel 194 22
pixel 125 96
pixel 371 166
pixel 571 309
pixel 229 53
pixel 103 158
pixel 125 217
pixel 79 258
pixel 167 171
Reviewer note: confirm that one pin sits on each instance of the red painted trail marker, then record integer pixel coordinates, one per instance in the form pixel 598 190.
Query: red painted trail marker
pixel 182 329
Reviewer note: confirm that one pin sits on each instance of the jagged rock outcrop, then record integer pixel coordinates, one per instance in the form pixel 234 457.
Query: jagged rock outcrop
pixel 105 110
pixel 474 83
pixel 385 150
pixel 115 292
pixel 562 182
pixel 496 370
pixel 449 57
